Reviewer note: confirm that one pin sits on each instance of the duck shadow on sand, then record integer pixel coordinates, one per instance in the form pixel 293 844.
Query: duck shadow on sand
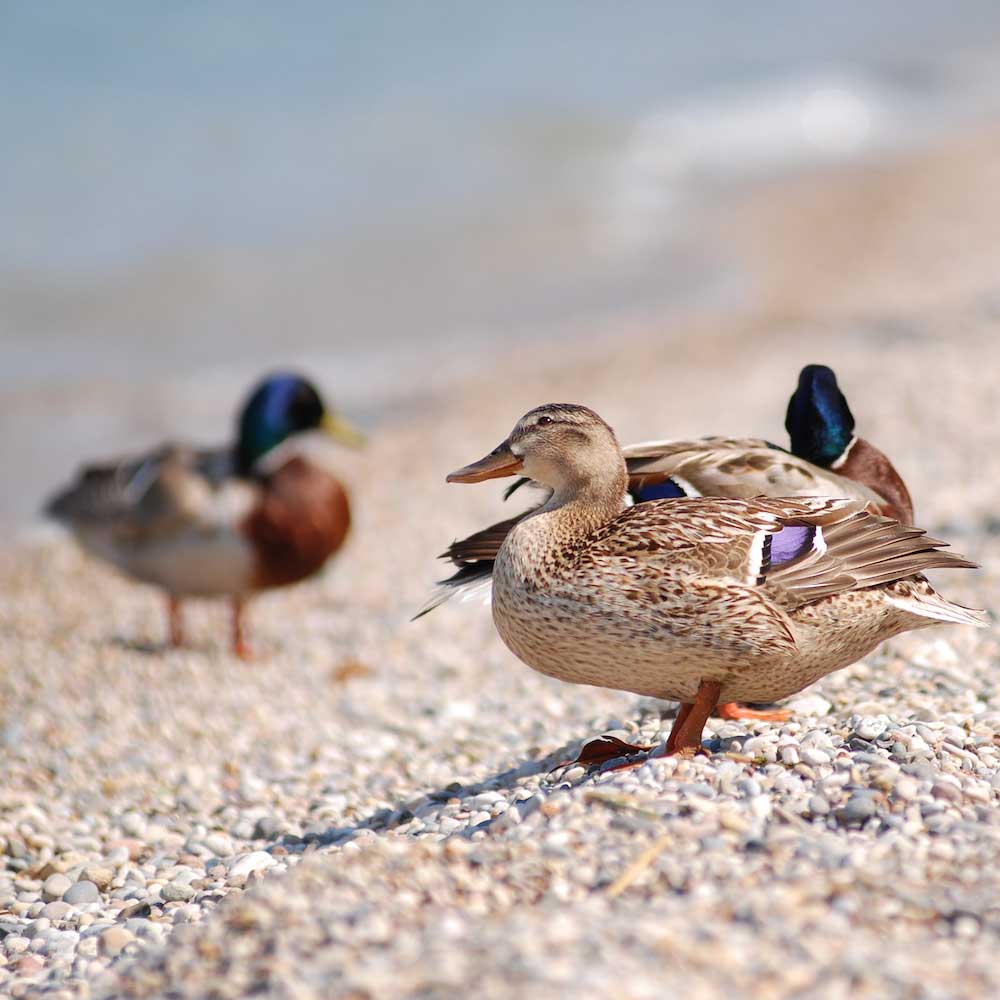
pixel 553 767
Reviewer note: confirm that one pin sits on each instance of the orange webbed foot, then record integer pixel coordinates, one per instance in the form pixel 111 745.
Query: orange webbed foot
pixel 734 711
pixel 605 748
pixel 243 651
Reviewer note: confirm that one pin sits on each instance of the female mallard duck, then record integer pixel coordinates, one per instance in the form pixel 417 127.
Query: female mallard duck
pixel 821 427
pixel 222 522
pixel 695 600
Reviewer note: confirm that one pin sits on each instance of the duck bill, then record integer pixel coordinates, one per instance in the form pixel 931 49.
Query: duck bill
pixel 501 461
pixel 342 430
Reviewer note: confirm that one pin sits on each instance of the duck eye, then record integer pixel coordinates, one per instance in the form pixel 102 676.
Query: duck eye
pixel 543 421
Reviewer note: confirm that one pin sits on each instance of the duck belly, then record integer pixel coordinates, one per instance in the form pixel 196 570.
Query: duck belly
pixel 210 562
pixel 645 653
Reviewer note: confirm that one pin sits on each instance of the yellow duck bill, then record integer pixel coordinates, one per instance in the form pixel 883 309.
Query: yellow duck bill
pixel 342 430
pixel 501 461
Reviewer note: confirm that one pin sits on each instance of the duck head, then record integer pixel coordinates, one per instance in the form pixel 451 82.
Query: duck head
pixel 282 405
pixel 819 421
pixel 561 445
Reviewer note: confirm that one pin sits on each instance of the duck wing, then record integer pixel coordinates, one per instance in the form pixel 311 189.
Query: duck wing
pixel 149 494
pixel 734 467
pixel 796 550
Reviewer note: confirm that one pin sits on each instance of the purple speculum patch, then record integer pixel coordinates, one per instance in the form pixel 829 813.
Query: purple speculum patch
pixel 791 542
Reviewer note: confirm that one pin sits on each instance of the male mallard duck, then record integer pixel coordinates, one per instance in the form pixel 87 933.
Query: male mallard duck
pixel 223 522
pixel 821 427
pixel 695 600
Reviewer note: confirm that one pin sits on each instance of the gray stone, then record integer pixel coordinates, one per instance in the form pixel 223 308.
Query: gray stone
pixel 82 893
pixel 818 805
pixel 939 823
pixel 266 828
pixel 857 810
pixel 749 787
pixel 176 892
pixel 56 910
pixel 55 887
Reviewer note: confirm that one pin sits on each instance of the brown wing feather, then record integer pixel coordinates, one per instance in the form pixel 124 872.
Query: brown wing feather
pixel 483 544
pixel 301 520
pixel 714 537
pixel 746 468
pixel 860 550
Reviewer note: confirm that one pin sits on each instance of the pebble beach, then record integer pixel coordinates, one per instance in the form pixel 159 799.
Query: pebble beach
pixel 376 807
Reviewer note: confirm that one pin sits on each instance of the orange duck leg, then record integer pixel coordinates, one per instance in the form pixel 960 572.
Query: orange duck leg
pixel 175 621
pixel 685 736
pixel 241 647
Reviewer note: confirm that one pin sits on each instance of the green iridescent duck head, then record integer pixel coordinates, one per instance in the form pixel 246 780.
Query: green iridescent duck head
pixel 282 405
pixel 819 421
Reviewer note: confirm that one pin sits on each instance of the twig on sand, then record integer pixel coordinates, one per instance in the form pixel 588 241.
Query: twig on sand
pixel 638 866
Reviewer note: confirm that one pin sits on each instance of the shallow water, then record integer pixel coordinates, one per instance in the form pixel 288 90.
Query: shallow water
pixel 378 192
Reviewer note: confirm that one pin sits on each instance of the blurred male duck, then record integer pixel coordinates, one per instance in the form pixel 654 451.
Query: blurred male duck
pixel 223 522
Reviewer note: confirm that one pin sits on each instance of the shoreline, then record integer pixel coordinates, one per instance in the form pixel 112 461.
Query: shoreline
pixel 777 259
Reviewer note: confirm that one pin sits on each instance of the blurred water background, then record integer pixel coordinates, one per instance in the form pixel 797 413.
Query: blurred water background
pixel 384 193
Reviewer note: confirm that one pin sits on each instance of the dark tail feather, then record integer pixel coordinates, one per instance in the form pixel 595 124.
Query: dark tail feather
pixel 464 584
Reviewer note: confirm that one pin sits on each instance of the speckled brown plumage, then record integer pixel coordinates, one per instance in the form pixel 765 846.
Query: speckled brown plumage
pixel 740 467
pixel 710 466
pixel 663 596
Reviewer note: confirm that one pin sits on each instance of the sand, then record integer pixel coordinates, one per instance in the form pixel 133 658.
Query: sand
pixel 376 808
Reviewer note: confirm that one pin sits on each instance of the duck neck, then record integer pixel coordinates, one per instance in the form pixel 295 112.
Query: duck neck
pixel 588 503
pixel 571 515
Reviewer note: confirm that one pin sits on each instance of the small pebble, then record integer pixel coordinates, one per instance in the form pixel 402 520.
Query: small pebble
pixel 56 910
pixel 114 939
pixel 82 893
pixel 247 863
pixel 174 892
pixel 101 877
pixel 857 809
pixel 55 887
